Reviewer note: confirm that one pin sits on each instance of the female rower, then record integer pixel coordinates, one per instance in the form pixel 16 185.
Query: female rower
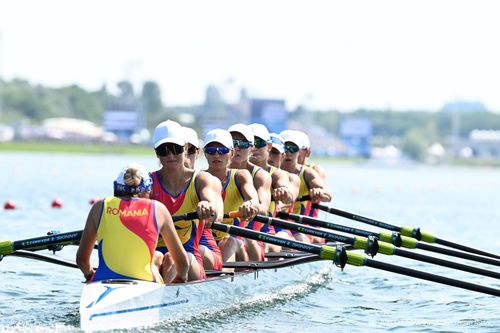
pixel 126 227
pixel 209 250
pixel 193 149
pixel 283 190
pixel 310 182
pixel 243 140
pixel 238 193
pixel 184 190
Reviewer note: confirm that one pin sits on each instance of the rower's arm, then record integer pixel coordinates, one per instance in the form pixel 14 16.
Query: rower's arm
pixel 250 206
pixel 317 187
pixel 209 190
pixel 172 241
pixel 281 186
pixel 320 170
pixel 262 183
pixel 88 239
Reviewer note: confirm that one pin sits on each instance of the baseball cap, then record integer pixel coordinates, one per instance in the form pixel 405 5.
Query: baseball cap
pixel 168 132
pixel 191 136
pixel 277 142
pixel 221 136
pixel 292 136
pixel 245 130
pixel 305 139
pixel 260 131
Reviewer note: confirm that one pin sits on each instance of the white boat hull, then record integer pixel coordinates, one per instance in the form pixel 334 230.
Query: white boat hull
pixel 114 304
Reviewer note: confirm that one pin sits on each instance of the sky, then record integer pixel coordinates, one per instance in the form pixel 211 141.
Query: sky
pixel 343 55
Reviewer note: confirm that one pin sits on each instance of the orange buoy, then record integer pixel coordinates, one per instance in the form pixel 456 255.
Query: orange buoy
pixel 11 204
pixel 57 203
pixel 93 201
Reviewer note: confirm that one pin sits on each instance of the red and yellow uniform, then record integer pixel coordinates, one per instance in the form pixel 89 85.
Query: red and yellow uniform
pixel 127 235
pixel 233 199
pixel 189 231
pixel 302 207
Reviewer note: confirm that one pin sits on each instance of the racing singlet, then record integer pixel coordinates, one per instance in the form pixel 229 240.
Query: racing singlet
pixel 189 232
pixel 233 199
pixel 127 235
pixel 314 211
pixel 302 207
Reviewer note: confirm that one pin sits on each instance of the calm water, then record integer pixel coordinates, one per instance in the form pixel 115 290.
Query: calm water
pixel 457 204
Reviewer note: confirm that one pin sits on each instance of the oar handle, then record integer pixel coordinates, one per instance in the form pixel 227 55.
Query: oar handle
pixel 194 216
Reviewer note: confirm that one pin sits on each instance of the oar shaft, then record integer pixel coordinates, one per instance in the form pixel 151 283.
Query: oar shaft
pixel 326 224
pixel 8 247
pixel 359 218
pixel 465 248
pixel 267 238
pixel 445 263
pixel 430 277
pixel 304 229
pixel 458 254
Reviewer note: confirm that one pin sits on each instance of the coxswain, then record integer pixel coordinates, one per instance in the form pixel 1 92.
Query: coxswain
pixel 126 227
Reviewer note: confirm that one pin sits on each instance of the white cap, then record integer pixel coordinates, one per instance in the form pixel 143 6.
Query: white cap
pixel 292 136
pixel 260 131
pixel 305 139
pixel 245 130
pixel 277 142
pixel 169 132
pixel 221 136
pixel 191 136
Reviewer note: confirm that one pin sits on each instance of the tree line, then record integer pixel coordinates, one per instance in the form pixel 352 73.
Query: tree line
pixel 20 100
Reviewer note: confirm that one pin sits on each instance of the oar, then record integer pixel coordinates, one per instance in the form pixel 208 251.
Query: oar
pixel 394 238
pixel 405 231
pixel 372 246
pixel 341 257
pixel 67 238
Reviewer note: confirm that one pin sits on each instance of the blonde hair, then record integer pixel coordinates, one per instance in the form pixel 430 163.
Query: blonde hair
pixel 133 175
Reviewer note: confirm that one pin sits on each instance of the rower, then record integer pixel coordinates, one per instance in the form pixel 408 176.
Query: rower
pixel 283 191
pixel 184 190
pixel 126 227
pixel 305 153
pixel 243 141
pixel 238 193
pixel 209 250
pixel 310 182
pixel 193 149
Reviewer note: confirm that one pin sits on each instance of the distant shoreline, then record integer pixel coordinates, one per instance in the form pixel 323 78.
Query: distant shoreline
pixel 76 147
pixel 141 150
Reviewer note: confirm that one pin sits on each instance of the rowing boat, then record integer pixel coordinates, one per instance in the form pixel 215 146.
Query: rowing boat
pixel 124 304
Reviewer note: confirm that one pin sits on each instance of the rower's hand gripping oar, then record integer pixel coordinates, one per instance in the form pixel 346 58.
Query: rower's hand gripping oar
pixel 372 246
pixel 405 231
pixel 341 257
pixel 394 238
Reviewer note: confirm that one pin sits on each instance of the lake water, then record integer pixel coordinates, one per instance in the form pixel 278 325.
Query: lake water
pixel 456 204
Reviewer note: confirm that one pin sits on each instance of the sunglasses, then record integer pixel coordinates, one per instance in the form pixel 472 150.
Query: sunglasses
pixel 258 142
pixel 243 144
pixel 192 150
pixel 218 150
pixel 169 148
pixel 291 149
